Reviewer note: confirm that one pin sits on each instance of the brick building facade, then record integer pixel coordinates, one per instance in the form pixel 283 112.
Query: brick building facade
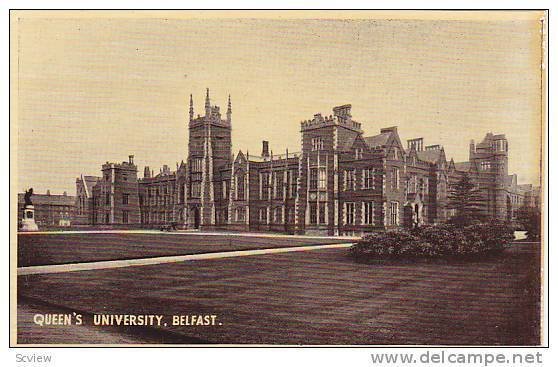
pixel 50 210
pixel 340 182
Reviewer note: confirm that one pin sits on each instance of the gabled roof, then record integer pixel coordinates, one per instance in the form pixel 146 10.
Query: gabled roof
pixel 377 140
pixel 353 141
pixel 451 165
pixel 88 183
pixel 463 166
pixel 348 143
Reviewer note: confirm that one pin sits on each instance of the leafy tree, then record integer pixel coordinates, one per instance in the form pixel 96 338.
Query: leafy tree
pixel 467 201
pixel 530 219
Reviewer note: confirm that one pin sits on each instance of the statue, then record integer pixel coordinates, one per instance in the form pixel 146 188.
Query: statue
pixel 28 221
pixel 27 197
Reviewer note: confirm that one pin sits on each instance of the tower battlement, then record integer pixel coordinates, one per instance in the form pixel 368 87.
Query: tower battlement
pixel 341 117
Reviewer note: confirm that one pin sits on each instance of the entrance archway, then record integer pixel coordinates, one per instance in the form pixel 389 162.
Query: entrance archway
pixel 408 216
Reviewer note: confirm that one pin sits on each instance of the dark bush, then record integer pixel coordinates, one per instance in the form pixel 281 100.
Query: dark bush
pixel 441 241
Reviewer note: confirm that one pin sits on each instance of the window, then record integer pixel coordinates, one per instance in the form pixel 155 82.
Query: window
pixel 290 215
pixel 107 198
pixel 125 216
pixel 107 218
pixel 412 184
pixel 196 165
pixel 485 166
pixel 395 178
pixel 224 189
pixel 421 186
pixel 322 213
pixel 368 213
pixel 394 154
pixel 125 199
pixel 368 178
pixel 317 143
pixel 265 185
pixel 278 187
pixel 240 187
pixel 313 178
pixel 358 153
pixel 293 177
pixel 349 179
pixel 278 216
pixel 393 213
pixel 239 214
pixel 313 213
pixel 322 178
pixel 349 213
pixel 195 189
pixel 263 215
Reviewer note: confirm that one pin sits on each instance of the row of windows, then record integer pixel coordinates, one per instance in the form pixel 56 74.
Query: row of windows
pixel 157 200
pixel 276 216
pixel 106 218
pixel 160 190
pixel 157 217
pixel 416 185
pixel 367 213
pixel 368 179
pixel 318 178
pixel 317 143
pixel 196 165
pixel 277 185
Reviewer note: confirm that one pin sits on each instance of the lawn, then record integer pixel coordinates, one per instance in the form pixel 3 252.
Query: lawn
pixel 48 249
pixel 315 297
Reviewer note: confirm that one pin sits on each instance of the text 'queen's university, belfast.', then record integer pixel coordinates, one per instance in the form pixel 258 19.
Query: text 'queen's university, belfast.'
pixel 341 182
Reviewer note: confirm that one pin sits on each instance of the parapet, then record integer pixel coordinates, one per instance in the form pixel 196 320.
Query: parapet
pixel 341 117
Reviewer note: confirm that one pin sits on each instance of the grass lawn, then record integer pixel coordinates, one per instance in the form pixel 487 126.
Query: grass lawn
pixel 316 297
pixel 48 249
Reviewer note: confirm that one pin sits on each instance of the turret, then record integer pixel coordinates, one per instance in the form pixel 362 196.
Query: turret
pixel 229 110
pixel 207 104
pixel 191 108
pixel 471 149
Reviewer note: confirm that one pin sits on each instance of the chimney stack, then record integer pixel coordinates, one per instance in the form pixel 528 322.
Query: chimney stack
pixel 131 159
pixel 265 149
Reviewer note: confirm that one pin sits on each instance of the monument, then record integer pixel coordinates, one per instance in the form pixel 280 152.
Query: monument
pixel 28 222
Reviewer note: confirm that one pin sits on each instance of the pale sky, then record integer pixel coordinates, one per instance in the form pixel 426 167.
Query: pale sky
pixel 96 90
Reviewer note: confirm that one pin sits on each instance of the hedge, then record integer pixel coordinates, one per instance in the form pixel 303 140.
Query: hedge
pixel 440 241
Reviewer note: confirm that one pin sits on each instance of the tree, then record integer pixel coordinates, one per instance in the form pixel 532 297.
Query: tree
pixel 530 219
pixel 467 201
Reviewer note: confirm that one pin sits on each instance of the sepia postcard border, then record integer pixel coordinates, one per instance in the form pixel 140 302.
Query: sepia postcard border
pixel 273 14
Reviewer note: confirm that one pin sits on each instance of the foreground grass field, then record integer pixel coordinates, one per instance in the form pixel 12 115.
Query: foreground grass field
pixel 38 249
pixel 316 297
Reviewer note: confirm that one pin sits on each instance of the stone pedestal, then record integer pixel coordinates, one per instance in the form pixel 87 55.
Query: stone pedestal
pixel 28 222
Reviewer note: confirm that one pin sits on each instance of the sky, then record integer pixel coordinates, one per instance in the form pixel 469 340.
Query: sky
pixel 91 89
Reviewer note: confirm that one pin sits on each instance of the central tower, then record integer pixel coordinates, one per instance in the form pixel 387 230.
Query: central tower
pixel 209 154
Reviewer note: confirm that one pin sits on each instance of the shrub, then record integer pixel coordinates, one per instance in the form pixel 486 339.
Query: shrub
pixel 441 241
pixel 530 221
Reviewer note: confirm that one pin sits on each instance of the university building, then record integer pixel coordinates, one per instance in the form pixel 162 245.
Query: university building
pixel 340 182
pixel 51 210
